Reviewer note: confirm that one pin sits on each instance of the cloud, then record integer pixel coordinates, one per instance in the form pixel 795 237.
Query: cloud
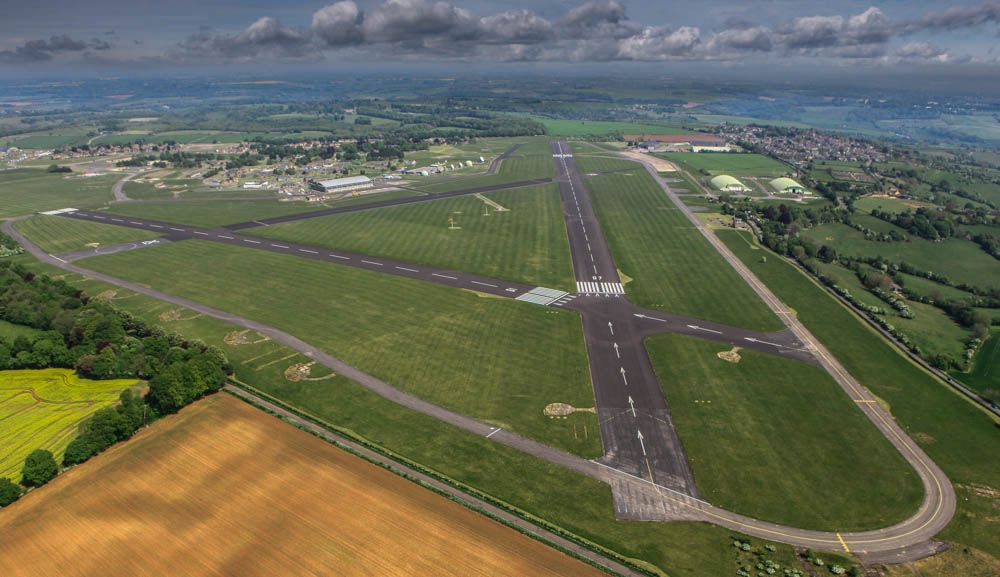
pixel 598 19
pixel 749 39
pixel 955 18
pixel 863 35
pixel 515 27
pixel 414 20
pixel 338 24
pixel 266 35
pixel 42 50
pixel 924 52
pixel 660 43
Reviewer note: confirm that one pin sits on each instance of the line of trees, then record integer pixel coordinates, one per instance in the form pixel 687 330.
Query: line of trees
pixel 99 342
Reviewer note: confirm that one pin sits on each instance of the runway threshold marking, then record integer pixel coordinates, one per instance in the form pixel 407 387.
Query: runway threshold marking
pixel 842 543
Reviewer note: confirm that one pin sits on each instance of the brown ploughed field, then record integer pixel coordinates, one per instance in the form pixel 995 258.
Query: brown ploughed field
pixel 223 489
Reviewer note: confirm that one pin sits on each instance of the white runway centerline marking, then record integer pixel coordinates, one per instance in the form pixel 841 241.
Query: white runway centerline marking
pixel 278 245
pixel 340 257
pixel 201 233
pixel 172 228
pixel 484 284
pixel 251 241
pixel 443 276
pixel 407 269
pixel 305 250
pixel 372 262
pixel 493 433
pixel 225 237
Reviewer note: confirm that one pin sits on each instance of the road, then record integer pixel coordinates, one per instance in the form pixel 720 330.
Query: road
pixel 649 475
pixel 118 190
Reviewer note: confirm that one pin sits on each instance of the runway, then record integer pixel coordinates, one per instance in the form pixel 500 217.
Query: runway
pixel 644 461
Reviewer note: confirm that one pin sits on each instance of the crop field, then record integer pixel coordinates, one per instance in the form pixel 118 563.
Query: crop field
pixel 29 190
pixel 960 260
pixel 771 438
pixel 957 435
pixel 673 266
pixel 727 163
pixel 985 373
pixel 579 504
pixel 216 212
pixel 264 478
pixel 41 409
pixel 494 359
pixel 526 243
pixel 558 127
pixel 57 234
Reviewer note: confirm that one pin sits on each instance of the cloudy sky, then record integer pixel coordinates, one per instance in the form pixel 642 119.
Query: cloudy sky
pixel 147 34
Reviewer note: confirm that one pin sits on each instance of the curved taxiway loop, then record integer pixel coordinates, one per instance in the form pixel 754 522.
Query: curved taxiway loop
pixel 907 539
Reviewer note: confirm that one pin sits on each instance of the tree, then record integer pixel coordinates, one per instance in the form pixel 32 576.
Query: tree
pixel 39 468
pixel 9 491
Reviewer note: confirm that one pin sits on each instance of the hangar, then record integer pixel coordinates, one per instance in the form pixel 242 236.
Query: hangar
pixel 727 183
pixel 341 184
pixel 785 184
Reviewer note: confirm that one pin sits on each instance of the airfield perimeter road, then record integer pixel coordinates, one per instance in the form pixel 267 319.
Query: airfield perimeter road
pixel 907 540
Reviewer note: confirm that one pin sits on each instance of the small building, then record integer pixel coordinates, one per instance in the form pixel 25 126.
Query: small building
pixel 727 183
pixel 341 184
pixel 253 185
pixel 785 184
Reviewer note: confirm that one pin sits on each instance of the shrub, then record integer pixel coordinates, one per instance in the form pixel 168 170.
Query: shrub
pixel 9 491
pixel 39 468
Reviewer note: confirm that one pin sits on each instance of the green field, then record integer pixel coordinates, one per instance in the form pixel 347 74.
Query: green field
pixel 558 128
pixel 526 243
pixel 673 267
pixel 48 139
pixel 930 328
pixel 214 212
pixel 776 439
pixel 887 204
pixel 960 260
pixel 931 289
pixel 42 409
pixel 494 359
pixel 202 136
pixel 29 190
pixel 530 161
pixel 579 504
pixel 10 331
pixel 591 163
pixel 58 234
pixel 960 438
pixel 733 164
pixel 985 374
